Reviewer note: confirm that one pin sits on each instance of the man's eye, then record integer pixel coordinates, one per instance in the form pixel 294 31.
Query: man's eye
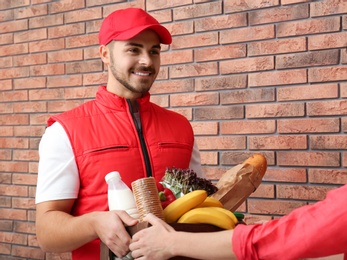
pixel 134 50
pixel 155 52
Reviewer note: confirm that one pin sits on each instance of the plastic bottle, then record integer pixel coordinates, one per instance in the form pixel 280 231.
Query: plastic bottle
pixel 120 196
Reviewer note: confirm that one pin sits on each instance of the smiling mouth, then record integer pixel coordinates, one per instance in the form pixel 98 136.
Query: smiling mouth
pixel 142 74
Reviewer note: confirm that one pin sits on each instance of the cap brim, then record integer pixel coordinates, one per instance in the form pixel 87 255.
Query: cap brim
pixel 163 33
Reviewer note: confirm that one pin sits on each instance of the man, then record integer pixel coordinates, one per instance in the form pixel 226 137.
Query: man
pixel 121 130
pixel 310 231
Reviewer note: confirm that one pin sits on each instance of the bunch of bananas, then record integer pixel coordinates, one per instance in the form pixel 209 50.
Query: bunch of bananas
pixel 196 207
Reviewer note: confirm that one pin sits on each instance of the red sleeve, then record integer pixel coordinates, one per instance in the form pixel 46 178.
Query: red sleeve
pixel 311 231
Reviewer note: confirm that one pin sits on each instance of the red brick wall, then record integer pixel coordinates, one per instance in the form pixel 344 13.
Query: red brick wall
pixel 251 76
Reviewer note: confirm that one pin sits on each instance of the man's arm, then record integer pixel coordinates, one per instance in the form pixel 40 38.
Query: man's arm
pixel 58 231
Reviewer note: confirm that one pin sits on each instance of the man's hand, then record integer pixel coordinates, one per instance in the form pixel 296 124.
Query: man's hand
pixel 110 228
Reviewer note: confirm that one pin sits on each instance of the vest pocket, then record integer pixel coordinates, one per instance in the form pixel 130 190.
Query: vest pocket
pixel 106 149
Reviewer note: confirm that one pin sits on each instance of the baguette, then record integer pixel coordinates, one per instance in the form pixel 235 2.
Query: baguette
pixel 259 162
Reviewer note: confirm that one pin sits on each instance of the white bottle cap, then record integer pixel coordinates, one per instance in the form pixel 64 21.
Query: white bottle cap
pixel 112 175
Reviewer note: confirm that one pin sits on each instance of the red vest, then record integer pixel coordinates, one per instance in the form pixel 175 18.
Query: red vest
pixel 104 138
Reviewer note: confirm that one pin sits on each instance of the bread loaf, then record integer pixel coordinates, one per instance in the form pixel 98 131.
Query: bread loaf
pixel 259 162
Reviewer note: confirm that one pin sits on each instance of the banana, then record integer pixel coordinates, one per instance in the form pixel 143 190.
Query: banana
pixel 183 204
pixel 229 213
pixel 210 202
pixel 208 215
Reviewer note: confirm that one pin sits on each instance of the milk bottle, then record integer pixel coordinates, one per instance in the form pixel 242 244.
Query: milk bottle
pixel 120 196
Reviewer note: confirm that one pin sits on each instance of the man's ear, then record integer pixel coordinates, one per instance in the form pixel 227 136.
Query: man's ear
pixel 104 54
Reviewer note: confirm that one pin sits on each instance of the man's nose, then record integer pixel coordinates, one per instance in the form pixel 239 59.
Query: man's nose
pixel 145 60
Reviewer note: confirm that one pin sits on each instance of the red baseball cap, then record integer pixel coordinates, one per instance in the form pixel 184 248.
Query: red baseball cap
pixel 124 24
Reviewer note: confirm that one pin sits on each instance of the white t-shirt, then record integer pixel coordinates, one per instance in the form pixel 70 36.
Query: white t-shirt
pixel 58 177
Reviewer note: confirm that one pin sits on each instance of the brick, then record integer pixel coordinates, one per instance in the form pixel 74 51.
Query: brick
pixel 209 158
pixel 248 127
pixel 301 192
pixel 65 80
pixel 308 159
pixel 155 5
pixel 199 99
pixel 182 56
pixel 311 125
pixel 65 56
pixel 5 178
pixel 66 30
pixel 194 70
pixel 6 62
pixel 50 69
pixel 193 11
pixel 14 73
pixel 14 142
pixel 62 106
pixel 283 142
pixel 325 8
pixel 14 3
pixel 81 92
pixel 14 49
pixel 60 256
pixel 237 157
pixel 327 176
pixel 27 252
pixel 13 214
pixel 264 191
pixel 343 90
pixel 275 110
pixel 83 15
pixel 46 94
pixel 328 142
pixel 5 249
pixel 5 155
pixel 6 39
pixel 218 112
pixel 221 83
pixel 275 207
pixel 256 219
pixel 24 227
pixel 221 22
pixel 6 84
pixel 5 202
pixel 82 41
pixel 195 40
pixel 28 131
pixel 205 128
pixel 6 15
pixel 180 27
pixel 46 21
pixel 89 53
pixel 272 78
pixel 6 225
pixel 29 107
pixel 344 56
pixel 334 107
pixel 32 11
pixel 30 59
pixel 13 238
pixel 94 79
pixel 239 6
pixel 13 26
pixel 313 26
pixel 162 16
pixel 275 15
pixel 247 65
pixel 247 34
pixel 248 96
pixel 295 175
pixel 25 155
pixel 186 112
pixel 327 74
pixel 66 5
pixel 277 46
pixel 47 45
pixel 310 59
pixel 13 119
pixel 8 96
pixel 27 83
pixel 39 119
pixel 6 108
pixel 327 41
pixel 308 92
pixel 23 203
pixel 221 143
pixel 84 66
pixel 220 52
pixel 172 86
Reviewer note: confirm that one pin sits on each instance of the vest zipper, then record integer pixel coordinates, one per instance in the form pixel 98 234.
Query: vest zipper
pixel 142 139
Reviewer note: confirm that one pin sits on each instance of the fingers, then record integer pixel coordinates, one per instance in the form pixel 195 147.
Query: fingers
pixel 126 218
pixel 155 221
